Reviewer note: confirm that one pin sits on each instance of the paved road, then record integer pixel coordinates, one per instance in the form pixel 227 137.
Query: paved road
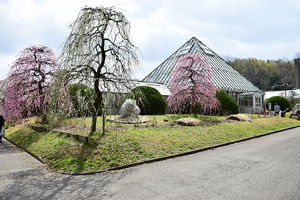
pixel 16 163
pixel 263 168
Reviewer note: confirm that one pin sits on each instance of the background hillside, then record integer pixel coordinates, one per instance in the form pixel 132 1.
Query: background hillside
pixel 266 74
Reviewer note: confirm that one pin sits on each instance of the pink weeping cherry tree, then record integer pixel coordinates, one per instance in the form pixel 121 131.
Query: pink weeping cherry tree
pixel 12 103
pixel 29 79
pixel 191 86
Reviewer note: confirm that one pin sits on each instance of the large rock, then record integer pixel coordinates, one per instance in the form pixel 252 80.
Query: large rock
pixel 129 109
pixel 238 117
pixel 189 121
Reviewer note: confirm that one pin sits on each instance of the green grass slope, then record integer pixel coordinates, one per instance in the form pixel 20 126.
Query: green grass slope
pixel 122 147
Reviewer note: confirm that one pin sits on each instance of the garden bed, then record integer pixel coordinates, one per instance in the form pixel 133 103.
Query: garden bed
pixel 116 148
pixel 81 126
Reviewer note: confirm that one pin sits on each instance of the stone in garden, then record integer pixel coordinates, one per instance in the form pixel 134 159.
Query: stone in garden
pixel 129 109
pixel 237 117
pixel 189 121
pixel 129 114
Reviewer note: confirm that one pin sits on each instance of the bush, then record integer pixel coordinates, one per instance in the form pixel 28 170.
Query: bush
pixel 82 98
pixel 149 100
pixel 281 101
pixel 227 105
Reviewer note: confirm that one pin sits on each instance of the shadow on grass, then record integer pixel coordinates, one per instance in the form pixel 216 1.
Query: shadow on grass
pixel 83 155
pixel 25 137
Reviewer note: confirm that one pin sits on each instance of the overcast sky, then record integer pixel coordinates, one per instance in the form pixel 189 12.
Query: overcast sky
pixel 265 29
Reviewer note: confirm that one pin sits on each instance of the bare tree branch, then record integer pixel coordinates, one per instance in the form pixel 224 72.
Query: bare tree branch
pixel 99 52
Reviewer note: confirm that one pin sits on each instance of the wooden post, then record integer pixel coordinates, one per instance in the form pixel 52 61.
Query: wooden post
pixel 103 122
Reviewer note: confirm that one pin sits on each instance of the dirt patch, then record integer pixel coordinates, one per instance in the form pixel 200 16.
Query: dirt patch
pixel 129 120
pixel 77 129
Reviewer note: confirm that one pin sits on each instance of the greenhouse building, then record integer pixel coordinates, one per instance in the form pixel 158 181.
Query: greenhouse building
pixel 224 77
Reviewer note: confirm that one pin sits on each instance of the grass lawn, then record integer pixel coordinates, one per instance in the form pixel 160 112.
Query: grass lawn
pixel 136 144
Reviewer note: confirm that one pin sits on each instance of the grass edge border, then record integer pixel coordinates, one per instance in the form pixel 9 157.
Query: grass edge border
pixel 153 159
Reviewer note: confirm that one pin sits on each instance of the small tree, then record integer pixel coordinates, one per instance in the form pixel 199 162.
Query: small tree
pixel 60 106
pixel 99 53
pixel 81 97
pixel 292 97
pixel 29 79
pixel 191 86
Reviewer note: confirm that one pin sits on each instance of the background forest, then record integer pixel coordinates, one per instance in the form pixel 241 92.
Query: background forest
pixel 266 74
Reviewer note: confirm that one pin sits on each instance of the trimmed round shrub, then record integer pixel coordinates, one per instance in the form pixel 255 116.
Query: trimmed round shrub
pixel 227 105
pixel 281 101
pixel 149 100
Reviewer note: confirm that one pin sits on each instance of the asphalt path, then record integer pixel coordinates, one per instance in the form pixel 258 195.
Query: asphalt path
pixel 15 162
pixel 262 168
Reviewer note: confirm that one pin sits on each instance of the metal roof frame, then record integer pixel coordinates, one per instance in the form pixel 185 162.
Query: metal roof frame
pixel 224 76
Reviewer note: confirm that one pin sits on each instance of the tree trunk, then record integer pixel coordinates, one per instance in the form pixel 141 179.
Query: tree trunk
pixel 44 119
pixel 94 122
pixel 97 107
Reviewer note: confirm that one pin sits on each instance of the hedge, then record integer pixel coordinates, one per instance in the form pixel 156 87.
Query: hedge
pixel 227 105
pixel 281 101
pixel 149 100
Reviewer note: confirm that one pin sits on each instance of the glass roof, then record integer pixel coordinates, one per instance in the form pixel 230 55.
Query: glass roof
pixel 224 76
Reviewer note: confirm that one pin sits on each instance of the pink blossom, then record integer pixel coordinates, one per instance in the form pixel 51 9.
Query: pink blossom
pixel 191 85
pixel 29 79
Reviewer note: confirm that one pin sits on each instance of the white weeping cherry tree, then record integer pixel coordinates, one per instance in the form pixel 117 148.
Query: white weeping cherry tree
pixel 99 53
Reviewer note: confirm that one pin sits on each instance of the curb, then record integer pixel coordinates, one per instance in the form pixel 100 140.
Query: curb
pixel 20 147
pixel 160 158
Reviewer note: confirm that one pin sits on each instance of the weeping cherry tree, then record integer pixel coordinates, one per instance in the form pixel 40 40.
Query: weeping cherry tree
pixel 100 54
pixel 28 82
pixel 191 86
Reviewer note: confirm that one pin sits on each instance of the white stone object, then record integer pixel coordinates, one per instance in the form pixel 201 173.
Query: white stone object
pixel 129 108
